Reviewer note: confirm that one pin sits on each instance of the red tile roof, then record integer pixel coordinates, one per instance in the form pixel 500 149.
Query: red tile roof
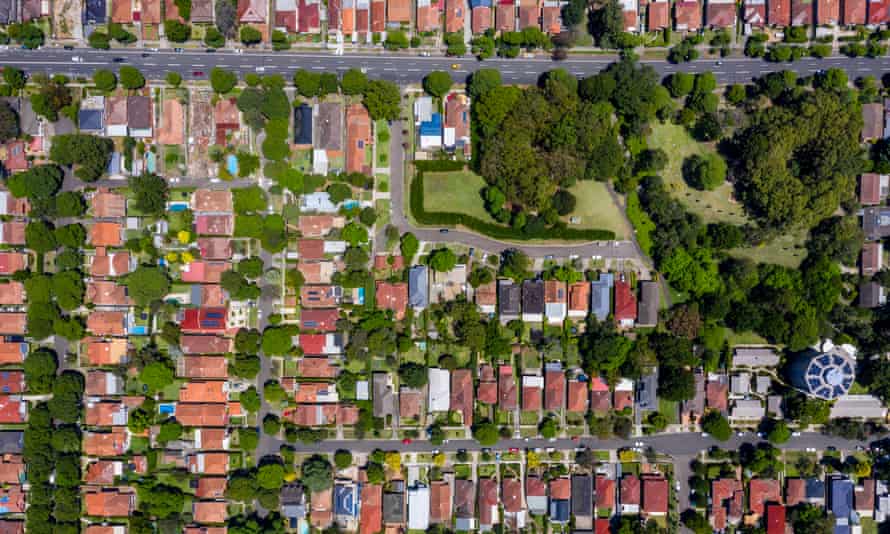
pixel 716 395
pixel 535 487
pixel 762 491
pixel 775 519
pixel 870 189
pixel 658 15
pixel 440 502
pixel 10 262
pixel 604 496
pixel 561 488
pixel 506 388
pixel 319 320
pixel 107 323
pixel 358 137
pixel 204 320
pixel 853 12
pixel 309 16
pixel 202 414
pixel 210 511
pixel 481 19
pixel 511 494
pixel 110 502
pixel 878 11
pixel 795 491
pixel 488 500
pixel 371 520
pixel 112 443
pixel 577 402
pixel 455 11
pixel 392 296
pixel 721 15
pixel 625 300
pixel 655 495
pixel 462 394
pixel 428 17
pixel 205 367
pixel 198 344
pixel 378 16
pixel 12 292
pixel 871 258
pixel 310 249
pixel 687 16
pixel 555 390
pixel 801 12
pixel 106 234
pixel 398 11
pixel 828 11
pixel 316 368
pixel 211 488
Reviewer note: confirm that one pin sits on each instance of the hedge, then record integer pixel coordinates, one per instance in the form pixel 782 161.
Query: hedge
pixel 445 218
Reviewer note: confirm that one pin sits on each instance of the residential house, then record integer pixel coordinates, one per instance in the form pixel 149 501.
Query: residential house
pixel 604 494
pixel 536 495
pixel 691 410
pixel 371 520
pixel 509 298
pixel 555 301
pixel 428 15
pixel 486 297
pixel 440 502
pixel 828 12
pixel 419 508
pixel 721 13
pixel 532 393
pixel 577 400
pixel 647 315
pixel 625 304
pixel 393 297
pixel 139 116
pixel 462 395
pixel 853 12
pixel 727 498
pixel 655 492
pixel 464 505
pixel 398 12
pixel 12 233
pixel 658 15
pixel 488 503
pixel 480 16
pixel 505 16
pixel 449 285
pixel 226 120
pixel 560 497
pixel 107 323
pixel 630 490
pixel 507 394
pixel 579 300
pixel 533 301
pixel 630 16
pixel 582 501
pixel 514 507
pixel 383 395
pixel 687 16
pixel 418 287
pixel 873 188
pixel 358 138
pixel 878 12
pixel 487 393
pixel 801 12
pixel 12 262
pixel 873 120
pixel 455 11
pixel 762 491
pixel 439 389
pixel 554 386
pixel 109 502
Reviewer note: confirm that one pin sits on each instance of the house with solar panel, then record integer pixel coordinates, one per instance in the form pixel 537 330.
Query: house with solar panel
pixel 346 504
pixel 826 374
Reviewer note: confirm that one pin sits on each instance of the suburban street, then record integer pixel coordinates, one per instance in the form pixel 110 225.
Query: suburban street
pixel 404 67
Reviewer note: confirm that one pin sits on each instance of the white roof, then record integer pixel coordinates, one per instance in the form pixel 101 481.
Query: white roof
pixel 285 5
pixel 319 201
pixel 532 381
pixel 858 406
pixel 4 201
pixel 419 508
pixel 440 389
pixel 624 384
pixel 423 109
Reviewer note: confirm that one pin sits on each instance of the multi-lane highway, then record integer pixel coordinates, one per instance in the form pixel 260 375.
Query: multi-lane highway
pixel 400 67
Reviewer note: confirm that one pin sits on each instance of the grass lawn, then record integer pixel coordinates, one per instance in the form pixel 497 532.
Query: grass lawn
pixel 712 206
pixel 786 249
pixel 868 525
pixel 596 209
pixel 456 191
pixel 529 418
pixel 486 470
pixel 670 410
pixel 382 144
pixel 382 207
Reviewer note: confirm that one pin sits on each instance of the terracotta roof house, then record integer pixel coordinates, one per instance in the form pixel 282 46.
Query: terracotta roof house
pixel 801 12
pixel 102 472
pixel 226 119
pixel 828 12
pixel 658 15
pixel 210 511
pixel 319 225
pixel 322 513
pixel 106 234
pixel 795 491
pixel 687 17
pixel 863 498
pixel 310 249
pixel 398 12
pixel 625 300
pixel 872 258
pixel 532 393
pixel 554 389
pixel 101 383
pixel 202 11
pixel 285 15
pixel 12 470
pixel 107 293
pixel 358 138
pixel 716 395
pixel 211 200
pixel 579 300
pixel 212 438
pixel 600 396
pixel 464 504
pixel 319 320
pixel 762 491
pixel 551 17
pixel 107 323
pixel 209 367
pixel 721 14
pixel 604 494
pixel 12 293
pixel 316 368
pixel 655 492
pixel 486 297
pixel 487 392
pixel 107 204
pixel 428 13
pixel 13 499
pixel 378 15
pixel 507 395
pixel 105 413
pixel 630 16
pixel 206 320
pixel 215 225
pixel 252 11
pixel 630 490
pixel 109 502
pixel 775 519
pixel 488 502
pixel 455 11
pixel 10 262
pixel 209 463
pixel 505 16
pixel 122 11
pixel 853 12
pixel 440 502
pixel 12 233
pixel 114 443
pixel 393 297
pixel 12 352
pixel 577 400
pixel 151 12
pixel 462 394
pixel 14 156
pixel 561 488
pixel 105 351
pixel 878 11
pixel 873 121
pixel 103 263
pixel 727 496
pixel 480 18
pixel 779 13
pixel 202 415
pixel 211 488
pixel 873 188
pixel 511 495
pixel 198 344
pixel 371 519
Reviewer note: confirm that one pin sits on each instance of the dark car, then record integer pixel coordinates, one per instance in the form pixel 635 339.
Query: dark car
pixel 68 47
pixel 198 73
pixel 145 55
pixel 210 50
pixel 177 50
pixel 118 60
pixel 443 230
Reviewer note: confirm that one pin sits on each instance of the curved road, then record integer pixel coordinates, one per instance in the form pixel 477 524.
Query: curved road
pixel 405 67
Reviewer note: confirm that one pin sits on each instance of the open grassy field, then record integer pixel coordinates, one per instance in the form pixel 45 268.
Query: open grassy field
pixel 712 206
pixel 787 250
pixel 596 209
pixel 456 191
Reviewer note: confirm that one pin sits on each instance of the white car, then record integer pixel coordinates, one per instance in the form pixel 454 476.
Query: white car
pixel 261 69
pixel 705 435
pixel 795 434
pixel 77 59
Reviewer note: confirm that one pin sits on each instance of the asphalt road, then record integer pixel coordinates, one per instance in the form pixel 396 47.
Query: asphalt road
pixel 399 67
pixel 678 444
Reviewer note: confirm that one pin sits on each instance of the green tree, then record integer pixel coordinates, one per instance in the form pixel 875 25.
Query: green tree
pixel 486 433
pixel 716 425
pixel 157 376
pixel 483 81
pixel 413 375
pixel 105 80
pixel 442 260
pixel 607 24
pixel 213 37
pixel 248 438
pixel 408 245
pixel 250 35
pixel 277 340
pixel 437 83
pixel 704 172
pixel 250 400
pixel 40 182
pixel 160 500
pixel 778 432
pixel 342 459
pixel 131 78
pixel 170 430
pixel 273 392
pixel 14 78
pixel 147 284
pixel 382 99
pixel 222 81
pixel 317 473
pixel 176 31
pixel 68 288
pixel 40 371
pixel 39 237
pixel 354 82
pixel 150 193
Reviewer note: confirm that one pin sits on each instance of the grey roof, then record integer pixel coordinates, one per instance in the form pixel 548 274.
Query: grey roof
pixel 8 12
pixel 582 495
pixel 876 222
pixel 90 120
pixel 63 126
pixel 647 314
pixel 647 391
pixel 11 441
pixel 509 295
pixel 755 357
pixel 293 501
pixel 303 125
pixel 740 384
pixel 329 126
pixel 394 507
pixel 774 406
pixel 858 407
pixel 871 295
pixel 29 121
pixel 696 405
pixel 384 397
pixel 601 296
pixel 139 112
pixel 841 497
pixel 762 384
pixel 13 102
pixel 419 287
pixel 533 296
pixel 827 375
pixel 748 409
pixel 537 504
pixel 94 12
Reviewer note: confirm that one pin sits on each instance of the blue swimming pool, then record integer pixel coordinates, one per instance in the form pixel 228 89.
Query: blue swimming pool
pixel 177 206
pixel 232 164
pixel 361 296
pixel 349 204
pixel 167 409
pixel 139 330
pixel 151 162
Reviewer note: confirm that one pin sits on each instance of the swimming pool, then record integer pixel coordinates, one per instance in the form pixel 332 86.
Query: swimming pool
pixel 349 204
pixel 151 162
pixel 167 409
pixel 232 164
pixel 360 296
pixel 177 206
pixel 139 330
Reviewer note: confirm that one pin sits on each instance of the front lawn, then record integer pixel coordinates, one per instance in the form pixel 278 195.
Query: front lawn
pixel 455 191
pixel 596 210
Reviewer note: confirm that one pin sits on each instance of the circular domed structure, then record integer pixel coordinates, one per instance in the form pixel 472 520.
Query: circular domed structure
pixel 826 375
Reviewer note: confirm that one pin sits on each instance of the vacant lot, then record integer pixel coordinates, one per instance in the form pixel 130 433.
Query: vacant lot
pixel 712 206
pixel 596 209
pixel 455 191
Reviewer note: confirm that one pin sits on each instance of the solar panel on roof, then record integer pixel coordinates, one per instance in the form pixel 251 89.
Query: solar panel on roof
pixel 214 315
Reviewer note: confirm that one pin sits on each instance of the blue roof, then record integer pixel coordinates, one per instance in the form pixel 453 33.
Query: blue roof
pixel 432 126
pixel 303 125
pixel 559 510
pixel 841 497
pixel 418 287
pixel 90 119
pixel 345 501
pixel 479 3
pixel 600 299
pixel 95 11
pixel 815 488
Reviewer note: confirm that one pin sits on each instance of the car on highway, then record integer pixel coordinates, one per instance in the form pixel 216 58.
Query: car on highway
pixel 68 47
pixel 455 66
pixel 260 69
pixel 198 73
pixel 177 50
pixel 145 55
pixel 210 50
pixel 406 441
pixel 118 60
pixel 443 230
pixel 77 59
pixel 514 450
